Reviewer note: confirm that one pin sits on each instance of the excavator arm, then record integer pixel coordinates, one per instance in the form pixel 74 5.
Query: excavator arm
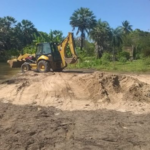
pixel 62 49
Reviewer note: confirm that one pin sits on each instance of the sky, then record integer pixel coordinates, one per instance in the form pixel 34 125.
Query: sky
pixel 49 15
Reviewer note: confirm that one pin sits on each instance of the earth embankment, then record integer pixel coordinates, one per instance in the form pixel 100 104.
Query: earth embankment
pixel 75 91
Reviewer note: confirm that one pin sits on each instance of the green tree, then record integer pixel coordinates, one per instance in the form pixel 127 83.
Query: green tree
pixel 56 36
pixel 40 37
pixel 101 35
pixel 7 25
pixel 126 30
pixel 26 31
pixel 116 39
pixel 126 27
pixel 83 19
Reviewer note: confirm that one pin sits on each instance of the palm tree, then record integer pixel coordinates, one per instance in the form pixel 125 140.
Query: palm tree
pixel 6 31
pixel 116 39
pixel 126 30
pixel 40 37
pixel 7 23
pixel 101 35
pixel 126 27
pixel 56 36
pixel 26 31
pixel 83 19
pixel 53 36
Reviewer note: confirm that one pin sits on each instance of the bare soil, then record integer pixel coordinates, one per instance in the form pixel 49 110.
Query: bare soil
pixel 41 128
pixel 75 110
pixel 79 91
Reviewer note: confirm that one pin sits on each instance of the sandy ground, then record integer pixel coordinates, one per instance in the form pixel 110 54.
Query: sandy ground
pixel 75 110
pixel 79 91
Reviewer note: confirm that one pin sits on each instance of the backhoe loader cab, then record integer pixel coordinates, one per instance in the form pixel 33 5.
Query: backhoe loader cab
pixel 49 50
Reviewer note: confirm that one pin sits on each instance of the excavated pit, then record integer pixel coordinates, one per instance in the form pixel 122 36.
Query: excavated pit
pixel 74 91
pixel 99 118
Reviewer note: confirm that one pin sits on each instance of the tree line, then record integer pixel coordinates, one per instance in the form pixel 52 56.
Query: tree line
pixel 107 38
pixel 18 36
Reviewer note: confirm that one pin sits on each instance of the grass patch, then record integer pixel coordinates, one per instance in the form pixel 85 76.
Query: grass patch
pixel 140 65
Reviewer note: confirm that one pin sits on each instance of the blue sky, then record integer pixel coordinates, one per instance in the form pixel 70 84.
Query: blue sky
pixel 55 14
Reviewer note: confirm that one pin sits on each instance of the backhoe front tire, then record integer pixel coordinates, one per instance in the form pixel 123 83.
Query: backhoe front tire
pixel 43 66
pixel 25 67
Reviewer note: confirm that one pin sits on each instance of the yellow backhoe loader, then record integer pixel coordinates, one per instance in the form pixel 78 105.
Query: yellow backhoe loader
pixel 48 56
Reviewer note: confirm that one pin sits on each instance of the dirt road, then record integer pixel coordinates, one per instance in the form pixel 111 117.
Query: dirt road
pixel 75 111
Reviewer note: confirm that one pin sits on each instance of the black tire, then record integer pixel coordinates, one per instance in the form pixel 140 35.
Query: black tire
pixel 43 66
pixel 25 67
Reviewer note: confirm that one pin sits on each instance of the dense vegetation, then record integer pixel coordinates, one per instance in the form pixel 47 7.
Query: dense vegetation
pixel 20 37
pixel 98 45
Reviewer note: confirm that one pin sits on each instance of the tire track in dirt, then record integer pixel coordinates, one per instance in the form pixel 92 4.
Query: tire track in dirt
pixel 70 94
pixel 70 132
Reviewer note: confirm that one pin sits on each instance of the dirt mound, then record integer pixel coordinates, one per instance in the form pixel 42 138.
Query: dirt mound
pixel 70 91
pixel 121 87
pixel 41 128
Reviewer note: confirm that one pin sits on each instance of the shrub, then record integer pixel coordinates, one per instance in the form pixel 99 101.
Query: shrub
pixel 90 58
pixel 106 58
pixel 12 52
pixel 5 55
pixel 146 61
pixel 124 54
pixel 146 52
pixel 96 62
pixel 123 59
pixel 137 56
pixel 29 49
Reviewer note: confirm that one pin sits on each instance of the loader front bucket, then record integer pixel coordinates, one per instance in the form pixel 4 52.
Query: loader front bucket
pixel 15 63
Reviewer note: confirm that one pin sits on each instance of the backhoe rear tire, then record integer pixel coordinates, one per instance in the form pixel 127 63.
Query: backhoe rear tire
pixel 58 70
pixel 43 66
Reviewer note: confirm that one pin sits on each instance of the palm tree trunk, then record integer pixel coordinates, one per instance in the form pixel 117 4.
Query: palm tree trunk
pixel 113 53
pixel 81 46
pixel 97 51
pixel 113 57
pixel 82 38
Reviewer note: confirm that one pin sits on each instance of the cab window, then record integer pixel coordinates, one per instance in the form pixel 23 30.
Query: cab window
pixel 46 48
pixel 39 49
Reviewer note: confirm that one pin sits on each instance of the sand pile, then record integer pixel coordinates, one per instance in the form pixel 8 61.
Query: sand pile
pixel 71 91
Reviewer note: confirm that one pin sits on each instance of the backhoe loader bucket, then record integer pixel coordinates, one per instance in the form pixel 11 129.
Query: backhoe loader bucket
pixel 71 60
pixel 15 63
